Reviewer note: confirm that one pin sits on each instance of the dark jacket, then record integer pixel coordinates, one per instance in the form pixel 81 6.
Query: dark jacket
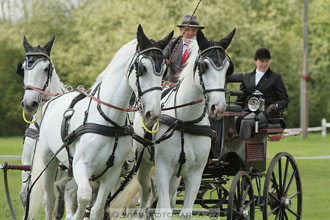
pixel 176 62
pixel 272 87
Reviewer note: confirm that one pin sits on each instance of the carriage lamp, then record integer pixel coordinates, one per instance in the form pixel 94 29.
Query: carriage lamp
pixel 256 102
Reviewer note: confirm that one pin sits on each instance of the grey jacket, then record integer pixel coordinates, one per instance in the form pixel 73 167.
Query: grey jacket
pixel 175 65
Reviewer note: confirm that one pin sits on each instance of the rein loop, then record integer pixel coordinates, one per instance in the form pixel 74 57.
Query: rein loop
pixel 36 119
pixel 145 127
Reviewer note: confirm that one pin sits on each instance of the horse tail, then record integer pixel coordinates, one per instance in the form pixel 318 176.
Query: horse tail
pixel 128 197
pixel 36 191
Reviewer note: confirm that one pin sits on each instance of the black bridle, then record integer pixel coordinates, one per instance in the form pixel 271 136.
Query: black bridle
pixel 140 69
pixel 201 69
pixel 30 56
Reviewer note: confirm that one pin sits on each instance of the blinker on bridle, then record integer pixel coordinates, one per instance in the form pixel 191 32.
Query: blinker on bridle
pixel 201 67
pixel 30 63
pixel 139 68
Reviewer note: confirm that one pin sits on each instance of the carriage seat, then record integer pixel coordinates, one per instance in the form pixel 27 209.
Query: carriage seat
pixel 236 77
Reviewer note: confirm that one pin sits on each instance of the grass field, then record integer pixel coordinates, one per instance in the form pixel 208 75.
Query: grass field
pixel 315 174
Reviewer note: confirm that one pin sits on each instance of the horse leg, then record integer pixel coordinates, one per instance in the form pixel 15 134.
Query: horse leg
pixel 23 191
pixel 70 197
pixel 144 180
pixel 28 149
pixel 163 185
pixel 192 183
pixel 60 203
pixel 95 187
pixel 61 180
pixel 174 185
pixel 84 192
pixel 106 186
pixel 48 181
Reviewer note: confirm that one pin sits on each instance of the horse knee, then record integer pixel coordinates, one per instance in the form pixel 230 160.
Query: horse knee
pixel 84 194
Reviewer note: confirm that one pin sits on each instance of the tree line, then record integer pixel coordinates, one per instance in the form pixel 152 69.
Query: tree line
pixel 89 33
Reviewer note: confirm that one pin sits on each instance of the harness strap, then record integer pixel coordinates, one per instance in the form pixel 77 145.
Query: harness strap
pixel 68 114
pixel 31 133
pixel 99 129
pixel 128 178
pixel 106 117
pixel 109 163
pixel 168 133
pixel 214 90
pixel 110 131
pixel 203 130
pixel 140 92
pixel 182 158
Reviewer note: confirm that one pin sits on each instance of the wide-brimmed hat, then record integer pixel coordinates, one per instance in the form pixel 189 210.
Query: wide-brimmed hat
pixel 262 53
pixel 192 23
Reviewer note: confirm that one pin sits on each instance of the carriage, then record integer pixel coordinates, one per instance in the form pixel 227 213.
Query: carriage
pixel 230 155
pixel 236 182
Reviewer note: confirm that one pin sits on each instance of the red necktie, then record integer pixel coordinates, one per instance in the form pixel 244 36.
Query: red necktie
pixel 185 55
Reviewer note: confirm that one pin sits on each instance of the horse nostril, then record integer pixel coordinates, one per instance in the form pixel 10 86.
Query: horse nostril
pixel 34 105
pixel 22 103
pixel 148 115
pixel 213 108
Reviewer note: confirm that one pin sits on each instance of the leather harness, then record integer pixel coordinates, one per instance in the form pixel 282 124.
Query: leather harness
pixel 110 131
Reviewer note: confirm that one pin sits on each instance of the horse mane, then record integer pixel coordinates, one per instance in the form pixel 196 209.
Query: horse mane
pixel 56 82
pixel 189 68
pixel 122 57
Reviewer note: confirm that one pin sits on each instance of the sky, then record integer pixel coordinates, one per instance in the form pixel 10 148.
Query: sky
pixel 15 8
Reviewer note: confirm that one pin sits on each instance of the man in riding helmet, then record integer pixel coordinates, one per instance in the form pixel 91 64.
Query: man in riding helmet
pixel 176 62
pixel 271 85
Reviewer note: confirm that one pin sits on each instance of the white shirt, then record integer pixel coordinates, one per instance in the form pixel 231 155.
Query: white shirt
pixel 259 75
pixel 185 45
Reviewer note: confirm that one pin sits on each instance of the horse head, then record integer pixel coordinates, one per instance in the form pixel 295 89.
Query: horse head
pixel 36 69
pixel 149 67
pixel 212 66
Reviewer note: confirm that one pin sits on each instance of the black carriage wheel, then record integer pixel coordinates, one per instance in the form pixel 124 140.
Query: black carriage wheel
pixel 241 199
pixel 282 189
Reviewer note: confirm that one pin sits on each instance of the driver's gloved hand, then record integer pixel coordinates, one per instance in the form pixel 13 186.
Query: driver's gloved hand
pixel 271 108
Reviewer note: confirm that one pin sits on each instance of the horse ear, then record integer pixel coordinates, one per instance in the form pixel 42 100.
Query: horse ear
pixel 224 42
pixel 48 46
pixel 202 41
pixel 27 45
pixel 143 40
pixel 163 42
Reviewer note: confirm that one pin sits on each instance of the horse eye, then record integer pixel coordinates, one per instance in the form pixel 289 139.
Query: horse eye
pixel 46 69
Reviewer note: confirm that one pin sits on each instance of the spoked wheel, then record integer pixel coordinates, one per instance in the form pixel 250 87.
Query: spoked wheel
pixel 282 189
pixel 241 199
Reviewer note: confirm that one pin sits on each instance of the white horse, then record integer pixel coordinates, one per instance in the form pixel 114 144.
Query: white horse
pixel 204 77
pixel 39 74
pixel 100 151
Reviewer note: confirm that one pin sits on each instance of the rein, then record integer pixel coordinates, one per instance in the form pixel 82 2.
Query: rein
pixel 29 87
pixel 183 105
pixel 83 90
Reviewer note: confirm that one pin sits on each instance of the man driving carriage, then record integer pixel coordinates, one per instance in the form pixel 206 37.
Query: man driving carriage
pixel 271 85
pixel 177 61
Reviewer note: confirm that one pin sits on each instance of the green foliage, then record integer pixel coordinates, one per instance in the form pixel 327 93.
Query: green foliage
pixel 87 37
